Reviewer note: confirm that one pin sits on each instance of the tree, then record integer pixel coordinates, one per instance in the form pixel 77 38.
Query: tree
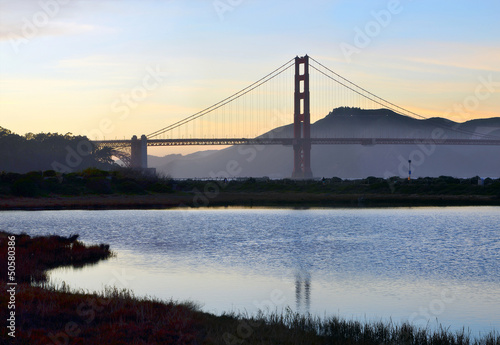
pixel 35 152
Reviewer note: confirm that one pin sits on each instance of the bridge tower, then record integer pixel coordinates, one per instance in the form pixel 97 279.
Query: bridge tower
pixel 302 121
pixel 139 153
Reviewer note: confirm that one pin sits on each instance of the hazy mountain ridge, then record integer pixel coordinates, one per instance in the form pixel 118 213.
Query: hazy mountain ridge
pixel 355 161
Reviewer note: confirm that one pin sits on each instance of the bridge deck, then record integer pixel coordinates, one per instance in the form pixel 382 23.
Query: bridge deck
pixel 314 141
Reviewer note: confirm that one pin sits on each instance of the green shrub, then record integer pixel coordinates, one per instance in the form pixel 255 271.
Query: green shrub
pixel 94 172
pixel 99 185
pixel 26 187
pixel 159 188
pixel 130 187
pixel 49 173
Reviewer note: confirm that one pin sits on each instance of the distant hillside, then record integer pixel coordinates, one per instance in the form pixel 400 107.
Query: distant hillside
pixel 355 161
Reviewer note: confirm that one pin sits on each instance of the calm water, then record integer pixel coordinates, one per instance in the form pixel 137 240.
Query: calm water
pixel 425 265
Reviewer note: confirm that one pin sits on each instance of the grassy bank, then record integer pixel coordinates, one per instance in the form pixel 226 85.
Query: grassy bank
pixel 97 189
pixel 243 199
pixel 35 255
pixel 58 316
pixel 46 314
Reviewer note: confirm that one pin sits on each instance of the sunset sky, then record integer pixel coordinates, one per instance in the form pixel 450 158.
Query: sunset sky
pixel 65 65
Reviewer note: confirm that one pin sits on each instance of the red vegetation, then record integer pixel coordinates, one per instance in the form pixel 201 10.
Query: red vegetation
pixel 35 255
pixel 46 316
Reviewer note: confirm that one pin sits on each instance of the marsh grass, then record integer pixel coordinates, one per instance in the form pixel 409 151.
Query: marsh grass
pixel 290 327
pixel 117 316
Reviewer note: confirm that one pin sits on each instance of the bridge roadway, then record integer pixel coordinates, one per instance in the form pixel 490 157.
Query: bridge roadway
pixel 291 141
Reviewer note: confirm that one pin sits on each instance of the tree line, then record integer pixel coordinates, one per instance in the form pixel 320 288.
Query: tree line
pixel 51 151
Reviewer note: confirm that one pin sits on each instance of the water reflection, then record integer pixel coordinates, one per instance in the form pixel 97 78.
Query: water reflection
pixel 388 263
pixel 303 287
pixel 302 258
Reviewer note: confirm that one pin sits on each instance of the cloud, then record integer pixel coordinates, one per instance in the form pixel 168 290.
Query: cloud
pixel 28 30
pixel 95 61
pixel 466 56
pixel 24 20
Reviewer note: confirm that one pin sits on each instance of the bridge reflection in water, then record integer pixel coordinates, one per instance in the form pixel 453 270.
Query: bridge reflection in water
pixel 303 291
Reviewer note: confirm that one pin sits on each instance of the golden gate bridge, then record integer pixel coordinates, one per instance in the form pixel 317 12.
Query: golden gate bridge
pixel 300 91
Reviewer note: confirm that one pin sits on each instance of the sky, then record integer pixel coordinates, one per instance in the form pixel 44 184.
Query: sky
pixel 116 68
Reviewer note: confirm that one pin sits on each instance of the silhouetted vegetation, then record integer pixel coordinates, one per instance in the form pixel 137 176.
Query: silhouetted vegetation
pixel 124 187
pixel 88 181
pixel 127 181
pixel 56 315
pixel 118 317
pixel 443 185
pixel 50 151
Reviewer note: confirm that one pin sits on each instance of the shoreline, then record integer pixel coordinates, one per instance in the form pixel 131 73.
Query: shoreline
pixel 59 315
pixel 240 199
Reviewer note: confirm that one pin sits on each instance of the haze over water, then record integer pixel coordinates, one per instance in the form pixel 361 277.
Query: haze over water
pixel 424 265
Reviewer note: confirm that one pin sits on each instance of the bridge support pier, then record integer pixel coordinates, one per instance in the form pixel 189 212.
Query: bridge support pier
pixel 139 153
pixel 302 121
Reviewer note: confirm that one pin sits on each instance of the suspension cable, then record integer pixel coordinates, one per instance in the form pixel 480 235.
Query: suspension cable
pixel 463 131
pixel 225 101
